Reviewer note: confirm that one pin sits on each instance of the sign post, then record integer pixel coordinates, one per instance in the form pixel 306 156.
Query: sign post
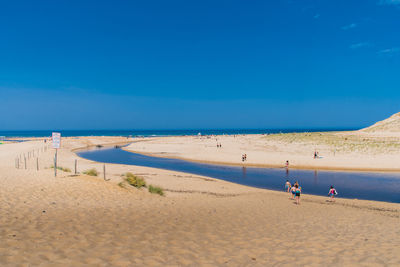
pixel 56 142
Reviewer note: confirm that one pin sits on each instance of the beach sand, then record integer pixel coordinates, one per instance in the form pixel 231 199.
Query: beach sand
pixel 78 220
pixel 355 150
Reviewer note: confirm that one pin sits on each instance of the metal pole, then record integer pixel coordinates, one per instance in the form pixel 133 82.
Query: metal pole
pixel 55 164
pixel 76 166
pixel 104 171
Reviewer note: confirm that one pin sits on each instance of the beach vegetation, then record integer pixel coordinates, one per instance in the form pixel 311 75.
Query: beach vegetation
pixel 337 142
pixel 61 168
pixel 134 180
pixel 156 190
pixel 91 172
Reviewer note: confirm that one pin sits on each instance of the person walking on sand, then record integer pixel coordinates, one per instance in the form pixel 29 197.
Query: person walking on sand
pixel 293 190
pixel 297 193
pixel 332 193
pixel 287 186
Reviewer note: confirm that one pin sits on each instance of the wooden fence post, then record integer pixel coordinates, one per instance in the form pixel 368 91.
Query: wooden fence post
pixel 104 173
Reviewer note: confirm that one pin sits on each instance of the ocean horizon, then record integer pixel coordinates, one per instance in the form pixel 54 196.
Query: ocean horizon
pixel 149 133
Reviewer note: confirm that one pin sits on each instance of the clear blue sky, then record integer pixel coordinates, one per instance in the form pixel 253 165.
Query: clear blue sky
pixel 198 64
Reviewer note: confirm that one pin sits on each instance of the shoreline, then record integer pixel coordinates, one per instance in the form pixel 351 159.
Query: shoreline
pixel 318 199
pixel 340 151
pixel 272 166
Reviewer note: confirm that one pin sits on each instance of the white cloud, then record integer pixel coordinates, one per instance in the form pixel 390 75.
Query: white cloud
pixel 350 26
pixel 389 2
pixel 360 45
pixel 389 51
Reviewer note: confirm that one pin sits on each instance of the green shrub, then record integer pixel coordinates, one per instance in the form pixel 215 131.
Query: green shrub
pixel 61 168
pixel 156 190
pixel 91 172
pixel 135 181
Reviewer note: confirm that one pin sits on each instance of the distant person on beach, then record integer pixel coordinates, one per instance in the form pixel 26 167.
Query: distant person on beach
pixel 287 164
pixel 332 193
pixel 245 157
pixel 287 186
pixel 297 193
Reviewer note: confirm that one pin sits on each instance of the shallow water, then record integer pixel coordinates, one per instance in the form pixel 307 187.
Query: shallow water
pixel 360 185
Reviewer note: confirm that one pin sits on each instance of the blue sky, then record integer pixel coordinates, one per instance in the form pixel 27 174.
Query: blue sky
pixel 198 64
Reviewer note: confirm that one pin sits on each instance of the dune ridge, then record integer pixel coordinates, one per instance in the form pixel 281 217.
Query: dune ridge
pixel 389 125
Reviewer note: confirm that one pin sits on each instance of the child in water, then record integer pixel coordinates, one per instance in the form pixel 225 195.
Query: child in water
pixel 288 186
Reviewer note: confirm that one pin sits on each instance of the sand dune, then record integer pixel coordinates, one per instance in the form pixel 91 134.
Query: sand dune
pixel 389 125
pixel 81 220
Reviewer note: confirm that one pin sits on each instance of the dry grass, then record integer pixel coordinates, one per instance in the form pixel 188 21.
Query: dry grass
pixel 91 172
pixel 339 142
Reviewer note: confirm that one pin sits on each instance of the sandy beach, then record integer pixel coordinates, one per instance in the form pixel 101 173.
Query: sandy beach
pixel 76 220
pixel 337 150
pixel 376 148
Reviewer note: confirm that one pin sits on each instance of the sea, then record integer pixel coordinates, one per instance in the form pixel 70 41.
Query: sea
pixel 151 133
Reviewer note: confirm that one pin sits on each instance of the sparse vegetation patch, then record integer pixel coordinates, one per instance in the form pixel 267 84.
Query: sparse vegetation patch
pixel 134 180
pixel 91 172
pixel 61 168
pixel 156 190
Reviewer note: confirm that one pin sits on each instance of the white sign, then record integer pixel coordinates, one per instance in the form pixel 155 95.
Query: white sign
pixel 56 140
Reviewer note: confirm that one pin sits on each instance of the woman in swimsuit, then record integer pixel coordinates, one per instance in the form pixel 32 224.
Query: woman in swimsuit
pixel 288 186
pixel 332 193
pixel 297 193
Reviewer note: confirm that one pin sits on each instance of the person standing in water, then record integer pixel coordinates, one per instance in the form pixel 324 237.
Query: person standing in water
pixel 287 186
